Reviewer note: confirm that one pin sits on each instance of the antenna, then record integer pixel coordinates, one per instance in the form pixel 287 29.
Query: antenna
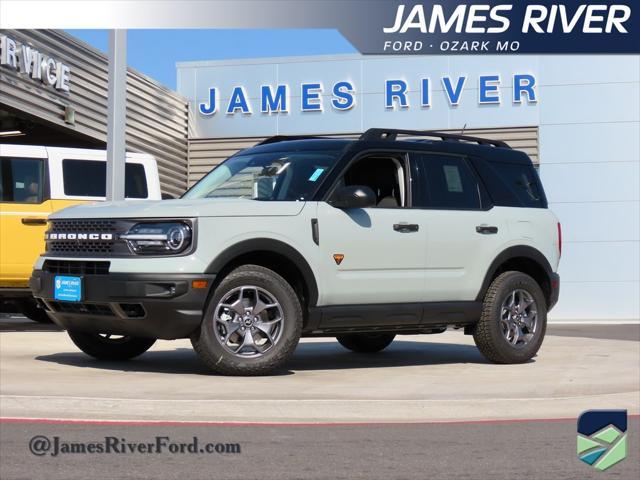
pixel 463 129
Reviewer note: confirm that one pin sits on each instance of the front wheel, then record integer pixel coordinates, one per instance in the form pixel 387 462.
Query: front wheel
pixel 366 342
pixel 110 347
pixel 513 321
pixel 252 323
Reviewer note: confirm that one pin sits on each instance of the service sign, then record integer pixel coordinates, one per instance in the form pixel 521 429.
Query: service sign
pixel 31 63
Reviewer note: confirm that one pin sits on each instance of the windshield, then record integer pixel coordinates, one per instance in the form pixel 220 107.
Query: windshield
pixel 275 176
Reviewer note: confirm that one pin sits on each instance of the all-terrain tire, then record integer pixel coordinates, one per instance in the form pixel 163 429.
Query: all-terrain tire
pixel 488 334
pixel 366 342
pixel 103 347
pixel 218 358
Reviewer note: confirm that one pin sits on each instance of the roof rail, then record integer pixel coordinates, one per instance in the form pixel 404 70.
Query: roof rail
pixel 391 135
pixel 284 138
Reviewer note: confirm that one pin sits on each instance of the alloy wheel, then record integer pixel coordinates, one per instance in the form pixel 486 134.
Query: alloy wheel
pixel 519 318
pixel 248 321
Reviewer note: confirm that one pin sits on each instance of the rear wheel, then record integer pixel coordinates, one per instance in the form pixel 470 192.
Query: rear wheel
pixel 110 347
pixel 513 321
pixel 30 309
pixel 366 342
pixel 252 324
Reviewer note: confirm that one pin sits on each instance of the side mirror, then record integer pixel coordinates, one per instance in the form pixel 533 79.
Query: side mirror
pixel 354 196
pixel 168 196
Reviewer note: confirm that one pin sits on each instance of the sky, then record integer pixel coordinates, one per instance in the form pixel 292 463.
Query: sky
pixel 155 52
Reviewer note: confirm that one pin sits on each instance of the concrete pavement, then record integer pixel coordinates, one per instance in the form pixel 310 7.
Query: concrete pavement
pixel 417 381
pixel 419 378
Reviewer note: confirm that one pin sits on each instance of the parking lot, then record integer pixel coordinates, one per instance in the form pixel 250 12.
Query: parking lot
pixel 419 380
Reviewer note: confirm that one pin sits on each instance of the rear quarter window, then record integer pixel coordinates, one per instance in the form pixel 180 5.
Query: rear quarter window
pixel 87 178
pixel 512 184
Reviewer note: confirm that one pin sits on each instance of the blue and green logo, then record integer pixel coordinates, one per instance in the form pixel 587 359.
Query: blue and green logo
pixel 602 437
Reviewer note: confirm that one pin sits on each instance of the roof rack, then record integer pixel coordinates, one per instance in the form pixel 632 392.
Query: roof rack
pixel 391 135
pixel 284 138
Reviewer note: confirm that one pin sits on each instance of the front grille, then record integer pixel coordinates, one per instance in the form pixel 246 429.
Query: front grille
pixel 80 247
pixel 97 226
pixel 87 247
pixel 82 308
pixel 69 267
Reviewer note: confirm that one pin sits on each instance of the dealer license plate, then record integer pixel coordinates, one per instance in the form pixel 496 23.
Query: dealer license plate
pixel 67 289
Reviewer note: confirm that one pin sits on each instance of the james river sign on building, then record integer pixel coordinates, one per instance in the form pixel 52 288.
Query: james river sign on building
pixel 342 95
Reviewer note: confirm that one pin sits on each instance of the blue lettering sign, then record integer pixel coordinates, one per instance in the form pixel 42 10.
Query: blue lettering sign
pixel 396 90
pixel 274 102
pixel 311 101
pixel 426 92
pixel 212 108
pixel 343 93
pixel 524 84
pixel 488 89
pixel 238 101
pixel 453 94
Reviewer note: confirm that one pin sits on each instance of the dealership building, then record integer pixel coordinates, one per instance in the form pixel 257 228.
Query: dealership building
pixel 577 116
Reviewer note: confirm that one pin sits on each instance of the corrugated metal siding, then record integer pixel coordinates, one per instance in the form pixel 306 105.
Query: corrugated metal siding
pixel 204 154
pixel 157 118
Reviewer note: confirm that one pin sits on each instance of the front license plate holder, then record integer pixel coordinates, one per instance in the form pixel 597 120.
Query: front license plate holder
pixel 67 288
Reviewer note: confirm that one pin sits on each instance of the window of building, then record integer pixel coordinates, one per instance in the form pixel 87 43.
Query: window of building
pixel 445 182
pixel 22 180
pixel 85 178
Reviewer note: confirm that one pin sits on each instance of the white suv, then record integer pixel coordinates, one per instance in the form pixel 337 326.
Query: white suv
pixel 399 232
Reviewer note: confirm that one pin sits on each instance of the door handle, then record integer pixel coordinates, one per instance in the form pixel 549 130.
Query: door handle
pixel 406 227
pixel 33 221
pixel 486 229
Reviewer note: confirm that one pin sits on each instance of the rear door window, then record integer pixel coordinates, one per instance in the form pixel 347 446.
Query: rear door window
pixel 445 182
pixel 87 178
pixel 22 180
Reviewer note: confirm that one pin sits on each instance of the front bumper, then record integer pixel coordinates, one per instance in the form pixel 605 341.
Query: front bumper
pixel 11 293
pixel 164 306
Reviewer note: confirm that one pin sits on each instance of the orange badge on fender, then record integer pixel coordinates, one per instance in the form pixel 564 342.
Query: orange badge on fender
pixel 338 257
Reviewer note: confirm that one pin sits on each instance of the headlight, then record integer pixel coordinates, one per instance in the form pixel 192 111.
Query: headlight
pixel 168 238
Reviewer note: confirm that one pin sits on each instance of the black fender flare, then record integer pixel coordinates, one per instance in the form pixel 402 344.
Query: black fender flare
pixel 268 245
pixel 522 251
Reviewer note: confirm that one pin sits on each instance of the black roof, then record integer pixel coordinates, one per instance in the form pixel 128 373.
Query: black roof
pixel 297 143
pixel 378 138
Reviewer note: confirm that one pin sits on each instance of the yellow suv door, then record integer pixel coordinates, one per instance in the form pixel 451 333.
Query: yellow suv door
pixel 24 208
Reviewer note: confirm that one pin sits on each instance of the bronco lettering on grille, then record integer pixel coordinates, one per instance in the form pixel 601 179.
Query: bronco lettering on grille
pixel 78 236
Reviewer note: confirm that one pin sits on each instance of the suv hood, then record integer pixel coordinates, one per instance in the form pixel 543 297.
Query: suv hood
pixel 205 207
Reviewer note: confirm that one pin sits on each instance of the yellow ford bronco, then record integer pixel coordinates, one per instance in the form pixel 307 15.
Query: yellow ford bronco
pixel 36 181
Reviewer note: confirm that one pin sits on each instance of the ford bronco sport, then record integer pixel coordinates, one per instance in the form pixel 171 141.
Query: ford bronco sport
pixel 398 232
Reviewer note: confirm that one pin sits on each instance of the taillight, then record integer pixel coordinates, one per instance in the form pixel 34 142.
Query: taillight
pixel 559 239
